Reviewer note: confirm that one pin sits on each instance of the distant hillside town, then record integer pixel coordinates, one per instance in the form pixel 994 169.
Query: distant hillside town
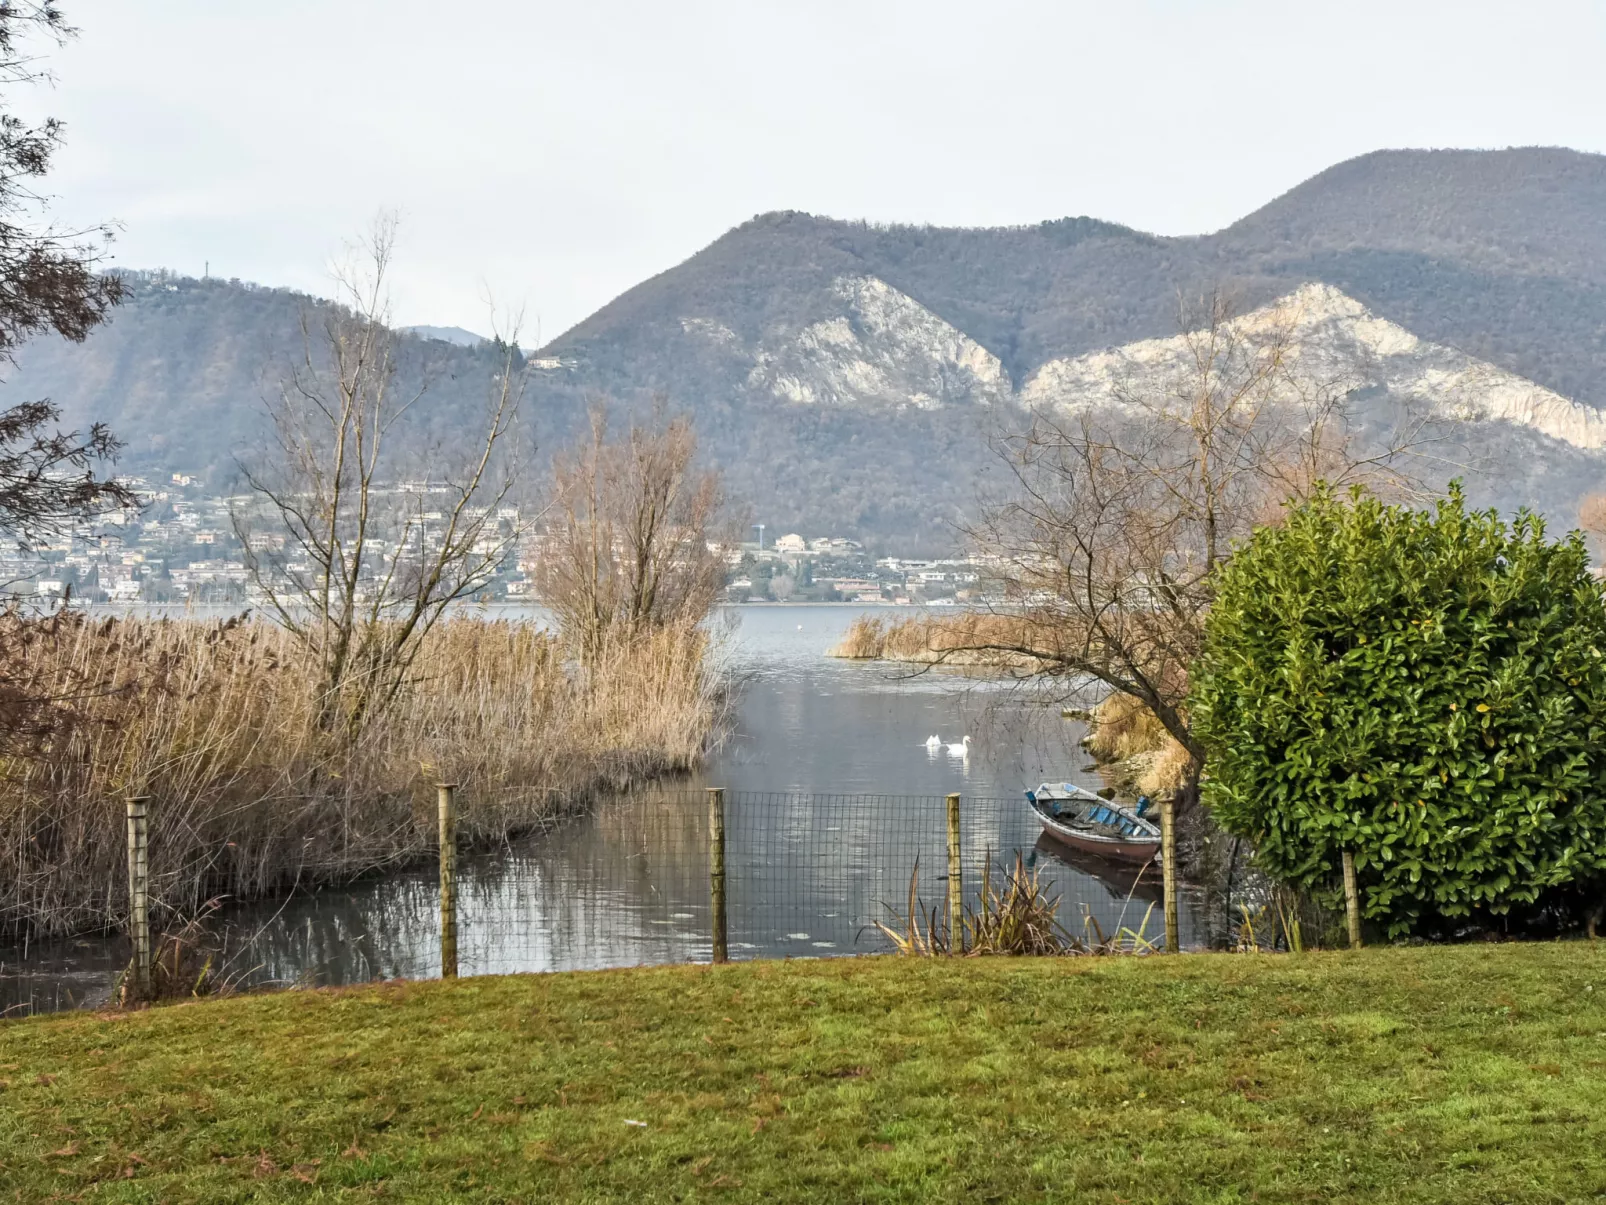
pixel 835 569
pixel 183 546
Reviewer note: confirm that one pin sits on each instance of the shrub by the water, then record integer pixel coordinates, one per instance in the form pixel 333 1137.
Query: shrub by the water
pixel 1424 688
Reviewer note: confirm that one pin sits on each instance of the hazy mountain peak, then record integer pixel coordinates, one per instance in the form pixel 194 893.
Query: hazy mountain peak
pixel 1532 209
pixel 454 335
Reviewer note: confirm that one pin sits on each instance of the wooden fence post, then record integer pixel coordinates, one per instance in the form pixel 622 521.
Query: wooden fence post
pixel 139 895
pixel 1168 872
pixel 716 870
pixel 956 882
pixel 1352 901
pixel 447 803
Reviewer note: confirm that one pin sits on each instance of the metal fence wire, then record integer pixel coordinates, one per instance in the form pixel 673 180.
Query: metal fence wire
pixel 806 875
pixel 629 883
pixel 812 874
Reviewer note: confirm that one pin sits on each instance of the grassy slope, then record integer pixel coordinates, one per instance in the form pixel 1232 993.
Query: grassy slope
pixel 1466 1074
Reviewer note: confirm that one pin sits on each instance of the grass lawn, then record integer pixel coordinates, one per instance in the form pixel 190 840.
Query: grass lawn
pixel 1466 1074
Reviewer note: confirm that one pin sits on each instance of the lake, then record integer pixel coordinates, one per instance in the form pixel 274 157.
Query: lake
pixel 833 801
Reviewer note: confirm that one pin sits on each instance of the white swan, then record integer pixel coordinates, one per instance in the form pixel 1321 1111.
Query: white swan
pixel 960 750
pixel 934 741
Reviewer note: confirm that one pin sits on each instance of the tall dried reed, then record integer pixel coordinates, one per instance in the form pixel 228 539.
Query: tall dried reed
pixel 217 723
pixel 1124 731
pixel 970 638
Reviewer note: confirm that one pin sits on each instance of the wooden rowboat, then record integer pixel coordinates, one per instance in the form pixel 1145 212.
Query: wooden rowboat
pixel 1082 820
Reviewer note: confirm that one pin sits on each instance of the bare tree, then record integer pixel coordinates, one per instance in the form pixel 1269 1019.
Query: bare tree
pixel 632 540
pixel 370 558
pixel 1122 509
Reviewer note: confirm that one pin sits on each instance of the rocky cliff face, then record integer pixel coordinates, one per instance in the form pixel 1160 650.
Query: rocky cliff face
pixel 1336 343
pixel 1501 254
pixel 885 350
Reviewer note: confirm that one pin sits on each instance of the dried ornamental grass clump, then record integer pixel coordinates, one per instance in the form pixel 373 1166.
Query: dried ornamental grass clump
pixel 1020 918
pixel 1017 917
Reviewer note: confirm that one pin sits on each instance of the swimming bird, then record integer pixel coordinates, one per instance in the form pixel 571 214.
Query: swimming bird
pixel 934 741
pixel 960 750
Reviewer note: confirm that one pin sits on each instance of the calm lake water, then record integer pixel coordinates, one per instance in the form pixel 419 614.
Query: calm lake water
pixel 833 799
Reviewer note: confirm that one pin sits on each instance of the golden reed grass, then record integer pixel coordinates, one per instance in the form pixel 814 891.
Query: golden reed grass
pixel 1122 727
pixel 1124 731
pixel 961 638
pixel 216 722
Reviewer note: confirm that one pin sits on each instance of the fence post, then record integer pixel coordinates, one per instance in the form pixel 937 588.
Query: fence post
pixel 139 895
pixel 447 803
pixel 1168 872
pixel 956 882
pixel 1352 901
pixel 716 869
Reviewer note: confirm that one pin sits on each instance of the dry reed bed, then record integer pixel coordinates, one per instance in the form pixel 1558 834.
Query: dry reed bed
pixel 1125 736
pixel 217 724
pixel 968 638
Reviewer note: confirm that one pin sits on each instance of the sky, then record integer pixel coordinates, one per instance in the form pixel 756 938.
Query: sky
pixel 547 157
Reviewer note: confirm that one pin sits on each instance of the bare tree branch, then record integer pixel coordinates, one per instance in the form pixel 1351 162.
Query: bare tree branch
pixel 633 540
pixel 369 564
pixel 1120 510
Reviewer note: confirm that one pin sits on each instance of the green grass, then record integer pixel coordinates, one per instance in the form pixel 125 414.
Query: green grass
pixel 1467 1074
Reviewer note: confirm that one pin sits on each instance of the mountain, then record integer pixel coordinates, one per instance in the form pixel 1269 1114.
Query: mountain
pixel 183 370
pixel 1502 253
pixel 446 334
pixel 1514 442
pixel 846 375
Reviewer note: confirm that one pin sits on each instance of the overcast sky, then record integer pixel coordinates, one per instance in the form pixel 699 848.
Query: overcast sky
pixel 556 154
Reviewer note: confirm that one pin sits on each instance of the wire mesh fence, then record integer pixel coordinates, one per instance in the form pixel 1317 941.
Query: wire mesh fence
pixel 806 875
pixel 628 883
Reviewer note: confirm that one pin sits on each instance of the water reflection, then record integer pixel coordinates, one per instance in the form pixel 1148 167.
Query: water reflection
pixel 833 799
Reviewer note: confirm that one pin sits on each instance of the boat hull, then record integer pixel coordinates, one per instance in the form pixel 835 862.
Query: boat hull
pixel 1120 849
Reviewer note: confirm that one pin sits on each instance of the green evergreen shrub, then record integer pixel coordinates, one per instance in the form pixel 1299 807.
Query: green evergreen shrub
pixel 1425 688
